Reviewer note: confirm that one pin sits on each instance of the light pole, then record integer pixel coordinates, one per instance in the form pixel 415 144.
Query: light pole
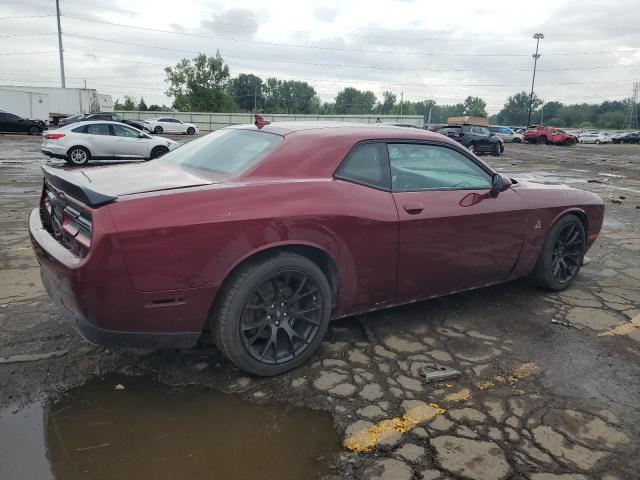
pixel 60 50
pixel 536 56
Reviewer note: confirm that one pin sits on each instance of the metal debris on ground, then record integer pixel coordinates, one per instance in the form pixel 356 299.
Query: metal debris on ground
pixel 562 322
pixel 119 387
pixel 434 373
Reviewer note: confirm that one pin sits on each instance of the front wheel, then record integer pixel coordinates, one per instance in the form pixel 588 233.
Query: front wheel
pixel 568 142
pixel 562 254
pixel 472 147
pixel 158 129
pixel 191 131
pixel 158 152
pixel 272 314
pixel 33 130
pixel 597 142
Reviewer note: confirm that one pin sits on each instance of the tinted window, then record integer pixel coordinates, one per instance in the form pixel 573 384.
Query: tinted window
pixel 82 129
pixel 122 131
pixel 506 131
pixel 227 151
pixel 423 167
pixel 497 129
pixel 366 163
pixel 116 117
pixel 98 129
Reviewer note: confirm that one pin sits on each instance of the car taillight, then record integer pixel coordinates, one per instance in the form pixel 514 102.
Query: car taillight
pixel 77 227
pixel 54 136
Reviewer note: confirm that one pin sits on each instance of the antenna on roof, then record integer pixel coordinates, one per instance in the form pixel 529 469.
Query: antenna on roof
pixel 261 122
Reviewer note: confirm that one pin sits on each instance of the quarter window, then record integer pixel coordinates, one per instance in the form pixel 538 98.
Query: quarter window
pixel 366 164
pixel 432 167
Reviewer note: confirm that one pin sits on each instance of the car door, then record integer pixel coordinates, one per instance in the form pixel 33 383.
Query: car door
pixel 454 233
pixel 507 134
pixel 100 140
pixel 128 143
pixel 481 137
pixel 371 228
pixel 12 123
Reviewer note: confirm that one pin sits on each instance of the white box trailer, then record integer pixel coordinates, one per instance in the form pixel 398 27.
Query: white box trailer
pixel 64 102
pixel 31 105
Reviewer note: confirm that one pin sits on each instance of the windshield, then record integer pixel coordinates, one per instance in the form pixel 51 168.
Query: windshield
pixel 227 151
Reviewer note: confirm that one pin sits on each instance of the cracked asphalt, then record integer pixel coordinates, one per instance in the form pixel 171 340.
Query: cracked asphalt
pixel 549 382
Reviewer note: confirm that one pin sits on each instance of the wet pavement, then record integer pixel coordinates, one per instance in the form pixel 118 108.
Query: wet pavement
pixel 131 428
pixel 548 388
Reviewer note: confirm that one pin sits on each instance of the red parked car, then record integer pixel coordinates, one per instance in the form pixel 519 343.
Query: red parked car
pixel 549 135
pixel 263 234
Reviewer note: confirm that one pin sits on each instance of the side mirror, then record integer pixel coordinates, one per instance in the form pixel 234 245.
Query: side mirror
pixel 500 183
pixel 142 135
pixel 491 134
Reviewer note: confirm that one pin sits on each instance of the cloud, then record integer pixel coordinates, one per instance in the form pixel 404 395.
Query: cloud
pixel 325 14
pixel 237 22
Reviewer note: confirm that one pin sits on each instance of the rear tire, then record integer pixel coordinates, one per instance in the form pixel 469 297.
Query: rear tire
pixel 157 152
pixel 561 256
pixel 541 140
pixel 568 142
pixel 272 314
pixel 597 142
pixel 78 156
pixel 158 129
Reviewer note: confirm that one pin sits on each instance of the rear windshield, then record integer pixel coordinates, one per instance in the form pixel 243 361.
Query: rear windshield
pixel 227 151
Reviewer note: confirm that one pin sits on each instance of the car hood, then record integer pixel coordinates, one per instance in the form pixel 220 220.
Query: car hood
pixel 119 180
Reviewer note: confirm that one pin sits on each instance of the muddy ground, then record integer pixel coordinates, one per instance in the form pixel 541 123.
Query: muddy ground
pixel 549 385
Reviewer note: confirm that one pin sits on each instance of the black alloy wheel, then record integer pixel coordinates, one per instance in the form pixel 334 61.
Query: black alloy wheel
pixel 158 129
pixel 567 253
pixel 272 313
pixel 33 130
pixel 281 317
pixel 562 254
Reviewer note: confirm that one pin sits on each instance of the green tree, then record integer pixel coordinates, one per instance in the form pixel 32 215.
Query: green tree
pixel 155 108
pixel 516 110
pixel 200 85
pixel 247 92
pixel 351 101
pixel 388 102
pixel 142 106
pixel 129 103
pixel 549 110
pixel 475 107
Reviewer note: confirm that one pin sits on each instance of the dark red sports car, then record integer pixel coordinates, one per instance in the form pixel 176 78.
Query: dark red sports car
pixel 263 234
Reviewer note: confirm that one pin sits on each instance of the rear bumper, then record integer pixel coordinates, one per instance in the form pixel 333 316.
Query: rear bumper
pixel 98 311
pixel 53 151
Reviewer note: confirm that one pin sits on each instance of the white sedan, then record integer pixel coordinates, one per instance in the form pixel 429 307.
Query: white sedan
pixel 594 138
pixel 80 142
pixel 169 125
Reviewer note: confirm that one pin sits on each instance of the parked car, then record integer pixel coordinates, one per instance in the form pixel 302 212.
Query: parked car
pixel 81 142
pixel 87 117
pixel 135 124
pixel 169 125
pixel 476 138
pixel 260 235
pixel 506 134
pixel 633 137
pixel 14 124
pixel 549 135
pixel 597 138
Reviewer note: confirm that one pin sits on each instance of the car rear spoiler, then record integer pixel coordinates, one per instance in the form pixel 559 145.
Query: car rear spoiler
pixel 60 179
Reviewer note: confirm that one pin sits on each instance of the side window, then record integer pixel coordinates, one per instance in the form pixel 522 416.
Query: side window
pixel 426 167
pixel 98 129
pixel 82 129
pixel 122 131
pixel 116 117
pixel 366 164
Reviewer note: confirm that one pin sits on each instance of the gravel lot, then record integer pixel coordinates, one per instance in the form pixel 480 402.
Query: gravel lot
pixel 549 382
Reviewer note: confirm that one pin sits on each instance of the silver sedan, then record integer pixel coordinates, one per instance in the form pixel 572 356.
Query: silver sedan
pixel 80 142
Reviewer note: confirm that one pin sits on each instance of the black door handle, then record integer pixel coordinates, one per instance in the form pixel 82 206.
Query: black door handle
pixel 413 208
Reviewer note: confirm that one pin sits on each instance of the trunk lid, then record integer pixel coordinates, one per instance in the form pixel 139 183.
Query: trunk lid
pixel 102 185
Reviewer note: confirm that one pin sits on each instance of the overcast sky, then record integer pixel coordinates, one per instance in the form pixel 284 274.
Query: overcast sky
pixel 441 50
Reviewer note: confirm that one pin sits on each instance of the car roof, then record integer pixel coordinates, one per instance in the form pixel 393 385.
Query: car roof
pixel 359 131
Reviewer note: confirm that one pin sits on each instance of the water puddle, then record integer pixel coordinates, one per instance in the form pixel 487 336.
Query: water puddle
pixel 148 431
